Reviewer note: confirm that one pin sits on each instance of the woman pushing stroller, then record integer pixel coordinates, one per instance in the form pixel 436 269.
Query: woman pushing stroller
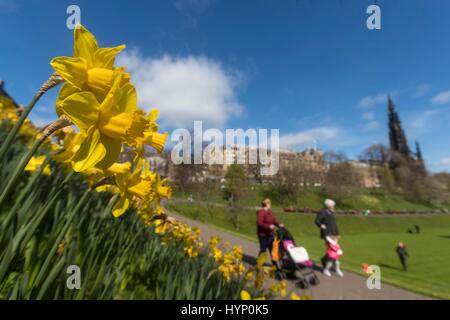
pixel 266 222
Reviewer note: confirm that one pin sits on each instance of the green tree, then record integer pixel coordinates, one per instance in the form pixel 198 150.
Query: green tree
pixel 235 189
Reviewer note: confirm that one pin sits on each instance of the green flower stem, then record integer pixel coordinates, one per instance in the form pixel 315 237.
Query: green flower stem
pixel 58 124
pixel 54 80
pixel 51 254
pixel 16 174
pixel 12 134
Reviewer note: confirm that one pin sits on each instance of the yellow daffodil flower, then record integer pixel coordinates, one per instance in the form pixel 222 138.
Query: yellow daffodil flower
pixel 90 69
pixel 6 104
pixel 72 141
pixel 249 276
pixel 245 295
pixel 104 125
pixel 295 296
pixel 214 241
pixel 35 163
pixel 217 254
pixel 94 175
pixel 132 185
pixel 151 136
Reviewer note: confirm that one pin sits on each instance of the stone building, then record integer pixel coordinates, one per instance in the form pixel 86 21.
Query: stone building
pixel 368 173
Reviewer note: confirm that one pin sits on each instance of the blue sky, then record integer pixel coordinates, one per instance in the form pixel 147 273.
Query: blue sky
pixel 310 68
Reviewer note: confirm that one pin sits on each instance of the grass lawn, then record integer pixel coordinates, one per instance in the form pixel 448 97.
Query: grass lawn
pixel 364 239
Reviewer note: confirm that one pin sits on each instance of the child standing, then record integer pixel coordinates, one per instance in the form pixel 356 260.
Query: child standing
pixel 334 253
pixel 402 255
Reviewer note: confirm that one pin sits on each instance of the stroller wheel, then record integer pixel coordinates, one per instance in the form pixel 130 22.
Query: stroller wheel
pixel 302 284
pixel 279 275
pixel 314 281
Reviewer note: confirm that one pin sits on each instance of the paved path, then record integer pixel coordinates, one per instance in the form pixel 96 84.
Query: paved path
pixel 350 287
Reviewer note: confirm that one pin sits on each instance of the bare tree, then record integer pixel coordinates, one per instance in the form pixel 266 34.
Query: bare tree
pixel 376 154
pixel 342 178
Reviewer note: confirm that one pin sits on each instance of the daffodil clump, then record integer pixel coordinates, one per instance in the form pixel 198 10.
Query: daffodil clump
pixel 99 137
pixel 9 115
pixel 245 295
pixel 229 262
pixel 279 288
pixel 171 229
pixel 101 103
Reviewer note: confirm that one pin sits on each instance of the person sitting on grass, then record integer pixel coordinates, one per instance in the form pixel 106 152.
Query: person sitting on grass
pixel 334 252
pixel 266 222
pixel 402 255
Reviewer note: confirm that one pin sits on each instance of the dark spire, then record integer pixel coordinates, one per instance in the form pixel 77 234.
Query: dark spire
pixel 397 137
pixel 418 151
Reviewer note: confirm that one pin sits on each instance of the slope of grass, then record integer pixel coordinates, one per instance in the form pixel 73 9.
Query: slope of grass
pixel 364 239
pixel 370 199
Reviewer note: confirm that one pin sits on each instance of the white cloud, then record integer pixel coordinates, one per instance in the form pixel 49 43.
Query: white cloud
pixel 370 122
pixel 41 120
pixel 190 10
pixel 182 5
pixel 422 90
pixel 441 98
pixel 370 101
pixel 184 89
pixel 371 125
pixel 368 115
pixel 422 120
pixel 445 162
pixel 307 138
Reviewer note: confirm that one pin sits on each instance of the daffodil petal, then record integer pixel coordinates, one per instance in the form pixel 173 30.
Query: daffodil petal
pixel 152 115
pixel 82 108
pixel 105 57
pixel 85 45
pixel 91 152
pixel 121 206
pixel 139 165
pixel 73 70
pixel 113 148
pixel 121 181
pixel 245 295
pixel 66 90
pixel 113 96
pixel 120 98
pixel 128 99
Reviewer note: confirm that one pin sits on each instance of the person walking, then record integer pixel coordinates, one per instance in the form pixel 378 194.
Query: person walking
pixel 266 222
pixel 402 255
pixel 326 221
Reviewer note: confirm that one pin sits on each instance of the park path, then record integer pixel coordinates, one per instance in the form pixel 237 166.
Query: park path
pixel 351 287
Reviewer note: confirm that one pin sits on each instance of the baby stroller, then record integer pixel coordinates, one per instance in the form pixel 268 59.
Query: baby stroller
pixel 292 261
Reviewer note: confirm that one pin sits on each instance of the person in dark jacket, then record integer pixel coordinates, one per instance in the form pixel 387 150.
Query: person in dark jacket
pixel 266 222
pixel 326 221
pixel 402 255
